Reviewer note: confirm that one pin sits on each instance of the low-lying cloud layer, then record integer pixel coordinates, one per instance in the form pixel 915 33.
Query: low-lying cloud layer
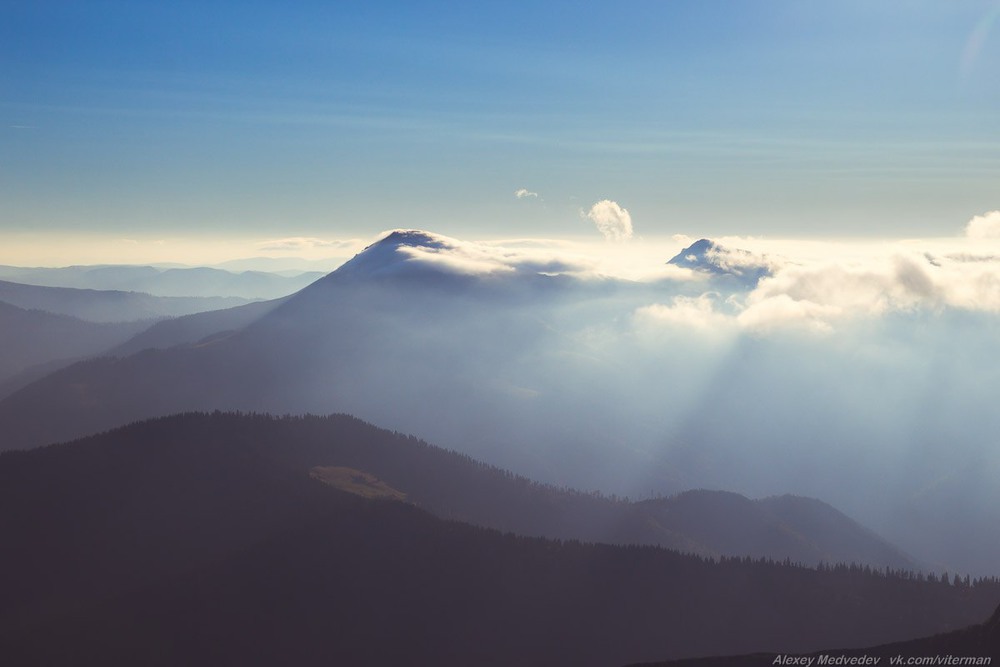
pixel 795 290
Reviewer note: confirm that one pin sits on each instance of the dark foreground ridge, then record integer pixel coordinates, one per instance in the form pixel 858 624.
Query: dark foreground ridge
pixel 235 539
pixel 975 645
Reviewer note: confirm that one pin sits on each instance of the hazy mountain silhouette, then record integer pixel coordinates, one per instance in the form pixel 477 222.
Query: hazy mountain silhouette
pixel 171 282
pixel 805 530
pixel 194 328
pixel 289 266
pixel 107 305
pixel 29 338
pixel 204 539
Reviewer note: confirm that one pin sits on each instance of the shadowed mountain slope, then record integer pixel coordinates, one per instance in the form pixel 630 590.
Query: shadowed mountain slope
pixel 195 327
pixel 203 539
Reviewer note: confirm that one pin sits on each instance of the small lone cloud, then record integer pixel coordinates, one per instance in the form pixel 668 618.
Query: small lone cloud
pixel 613 221
pixel 521 193
pixel 985 226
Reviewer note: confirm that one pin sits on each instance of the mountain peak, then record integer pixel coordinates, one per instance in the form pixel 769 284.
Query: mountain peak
pixel 411 237
pixel 709 257
pixel 701 246
pixel 394 253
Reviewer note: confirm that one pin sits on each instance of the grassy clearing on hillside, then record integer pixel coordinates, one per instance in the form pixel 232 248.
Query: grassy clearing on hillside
pixel 357 482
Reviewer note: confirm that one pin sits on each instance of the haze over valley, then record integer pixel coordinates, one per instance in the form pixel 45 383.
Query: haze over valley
pixel 701 377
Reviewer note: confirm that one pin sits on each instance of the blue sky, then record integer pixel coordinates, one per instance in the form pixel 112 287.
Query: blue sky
pixel 786 119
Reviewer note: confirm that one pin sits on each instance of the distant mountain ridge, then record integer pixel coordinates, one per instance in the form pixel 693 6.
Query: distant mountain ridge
pixel 108 305
pixel 29 338
pixel 804 530
pixel 187 329
pixel 165 282
pixel 43 329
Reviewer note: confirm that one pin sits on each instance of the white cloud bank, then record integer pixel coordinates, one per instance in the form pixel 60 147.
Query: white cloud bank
pixel 521 193
pixel 808 293
pixel 613 221
pixel 684 312
pixel 804 290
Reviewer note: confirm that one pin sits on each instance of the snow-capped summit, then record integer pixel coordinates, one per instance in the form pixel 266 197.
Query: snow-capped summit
pixel 695 256
pixel 420 256
pixel 395 253
pixel 713 258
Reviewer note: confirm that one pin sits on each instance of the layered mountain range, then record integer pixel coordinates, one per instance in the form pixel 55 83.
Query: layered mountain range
pixel 237 537
pixel 203 282
pixel 565 376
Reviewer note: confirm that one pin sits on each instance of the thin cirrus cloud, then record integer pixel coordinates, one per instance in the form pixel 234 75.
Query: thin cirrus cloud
pixel 612 221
